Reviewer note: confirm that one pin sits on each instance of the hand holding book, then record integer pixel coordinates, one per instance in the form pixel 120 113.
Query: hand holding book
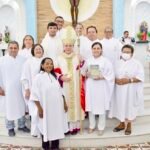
pixel 95 73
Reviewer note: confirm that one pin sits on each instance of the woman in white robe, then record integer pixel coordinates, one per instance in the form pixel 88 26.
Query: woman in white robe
pixel 30 69
pixel 47 95
pixel 99 86
pixel 28 42
pixel 127 101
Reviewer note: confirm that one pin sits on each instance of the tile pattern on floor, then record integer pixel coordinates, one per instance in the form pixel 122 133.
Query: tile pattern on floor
pixel 143 146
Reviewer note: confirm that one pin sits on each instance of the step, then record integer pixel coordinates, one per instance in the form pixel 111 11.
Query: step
pixel 146 101
pixel 146 88
pixel 140 133
pixel 141 119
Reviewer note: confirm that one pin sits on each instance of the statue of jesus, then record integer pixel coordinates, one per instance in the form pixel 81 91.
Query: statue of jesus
pixel 74 11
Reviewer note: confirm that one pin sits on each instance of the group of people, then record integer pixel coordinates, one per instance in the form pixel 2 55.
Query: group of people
pixel 67 75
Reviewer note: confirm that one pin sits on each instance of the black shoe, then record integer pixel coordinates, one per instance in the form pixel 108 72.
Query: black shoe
pixel 67 133
pixel 118 129
pixel 24 129
pixel 11 132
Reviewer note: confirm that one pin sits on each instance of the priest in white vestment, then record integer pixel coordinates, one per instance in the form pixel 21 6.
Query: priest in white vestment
pixel 10 87
pixel 68 62
pixel 79 29
pixel 47 95
pixel 86 43
pixel 99 87
pixel 127 101
pixel 28 43
pixel 52 44
pixel 60 23
pixel 111 46
pixel 30 69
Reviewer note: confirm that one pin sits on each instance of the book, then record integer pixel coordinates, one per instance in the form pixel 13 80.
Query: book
pixel 94 71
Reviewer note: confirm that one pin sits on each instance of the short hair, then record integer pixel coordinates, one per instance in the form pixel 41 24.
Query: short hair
pixel 125 32
pixel 108 28
pixel 13 42
pixel 79 24
pixel 23 45
pixel 97 43
pixel 33 48
pixel 52 24
pixel 94 27
pixel 128 46
pixel 59 17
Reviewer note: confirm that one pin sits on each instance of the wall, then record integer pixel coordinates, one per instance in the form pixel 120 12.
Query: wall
pixel 101 18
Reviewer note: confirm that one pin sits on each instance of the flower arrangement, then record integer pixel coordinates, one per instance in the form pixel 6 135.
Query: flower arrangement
pixel 7 35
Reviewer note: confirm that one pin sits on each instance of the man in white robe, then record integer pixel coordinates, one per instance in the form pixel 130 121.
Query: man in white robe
pixel 60 23
pixel 79 29
pixel 86 43
pixel 10 87
pixel 111 46
pixel 52 44
pixel 127 101
pixel 126 39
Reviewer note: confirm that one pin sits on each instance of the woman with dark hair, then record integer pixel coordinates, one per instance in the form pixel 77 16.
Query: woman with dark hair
pixel 127 101
pixel 47 95
pixel 28 43
pixel 30 69
pixel 99 86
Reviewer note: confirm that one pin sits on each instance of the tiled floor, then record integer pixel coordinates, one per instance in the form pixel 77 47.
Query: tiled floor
pixel 144 146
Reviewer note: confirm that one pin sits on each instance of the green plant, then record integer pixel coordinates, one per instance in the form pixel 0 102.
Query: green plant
pixel 148 34
pixel 7 38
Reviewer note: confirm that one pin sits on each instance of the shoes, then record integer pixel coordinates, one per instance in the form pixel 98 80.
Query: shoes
pixel 74 132
pixel 128 129
pixel 100 132
pixel 24 129
pixel 90 130
pixel 67 133
pixel 11 132
pixel 120 127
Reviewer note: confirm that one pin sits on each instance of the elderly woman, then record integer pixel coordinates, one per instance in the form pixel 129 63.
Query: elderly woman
pixel 99 87
pixel 128 95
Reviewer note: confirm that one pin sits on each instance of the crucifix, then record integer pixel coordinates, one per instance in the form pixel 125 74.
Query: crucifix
pixel 74 11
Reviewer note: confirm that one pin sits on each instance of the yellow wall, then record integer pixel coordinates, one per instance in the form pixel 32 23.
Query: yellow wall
pixel 101 18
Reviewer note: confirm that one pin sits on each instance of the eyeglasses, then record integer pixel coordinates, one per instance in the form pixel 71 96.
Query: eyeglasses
pixel 59 21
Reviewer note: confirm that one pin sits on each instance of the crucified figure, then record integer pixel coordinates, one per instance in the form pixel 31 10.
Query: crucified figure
pixel 74 11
